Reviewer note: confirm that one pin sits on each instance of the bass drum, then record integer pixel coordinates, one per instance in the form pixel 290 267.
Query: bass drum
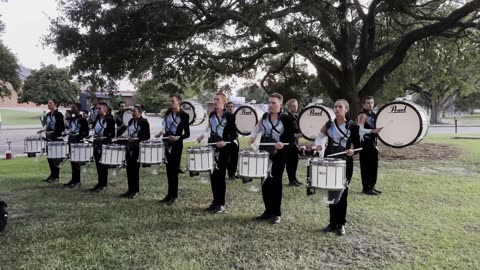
pixel 404 123
pixel 196 112
pixel 246 118
pixel 311 120
pixel 126 116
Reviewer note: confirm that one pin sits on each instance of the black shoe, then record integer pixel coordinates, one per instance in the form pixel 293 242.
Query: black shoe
pixel 276 220
pixel 46 179
pixel 74 185
pixel 233 178
pixel 52 180
pixel 294 184
pixel 165 200
pixel 370 192
pixel 246 180
pixel 94 189
pixel 211 207
pixel 329 228
pixel 133 195
pixel 263 216
pixel 125 195
pixel 219 209
pixel 341 230
pixel 68 184
pixel 376 190
pixel 100 189
pixel 172 201
pixel 192 174
pixel 181 171
pixel 298 182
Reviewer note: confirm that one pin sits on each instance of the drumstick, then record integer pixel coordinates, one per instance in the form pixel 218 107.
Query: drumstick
pixel 271 144
pixel 215 143
pixel 344 152
pixel 123 139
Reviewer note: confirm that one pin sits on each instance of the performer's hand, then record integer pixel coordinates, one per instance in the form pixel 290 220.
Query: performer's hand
pixel 319 148
pixel 279 145
pixel 298 135
pixel 349 152
pixel 90 126
pixel 251 140
pixel 376 130
pixel 173 138
pixel 221 144
pixel 131 140
pixel 199 139
pixel 40 131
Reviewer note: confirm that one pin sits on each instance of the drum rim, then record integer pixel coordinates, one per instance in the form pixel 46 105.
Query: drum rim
pixel 418 115
pixel 235 115
pixel 193 110
pixel 125 110
pixel 303 111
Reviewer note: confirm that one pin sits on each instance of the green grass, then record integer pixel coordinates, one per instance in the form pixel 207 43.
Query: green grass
pixel 427 218
pixel 13 117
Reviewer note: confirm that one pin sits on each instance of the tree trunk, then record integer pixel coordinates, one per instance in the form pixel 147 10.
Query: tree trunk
pixel 435 115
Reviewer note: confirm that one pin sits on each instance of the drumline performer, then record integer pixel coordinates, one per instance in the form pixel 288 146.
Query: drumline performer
pixel 339 133
pixel 77 132
pixel 369 154
pixel 53 131
pixel 104 130
pixel 119 119
pixel 176 128
pixel 221 125
pixel 274 127
pixel 234 148
pixel 138 130
pixel 292 150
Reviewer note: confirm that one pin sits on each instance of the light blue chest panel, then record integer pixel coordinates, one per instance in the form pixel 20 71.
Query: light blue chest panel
pixel 171 122
pixel 100 127
pixel 272 129
pixel 338 137
pixel 51 121
pixel 217 125
pixel 133 129
pixel 74 126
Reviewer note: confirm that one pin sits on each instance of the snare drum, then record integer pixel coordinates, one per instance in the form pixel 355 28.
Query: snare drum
pixel 57 150
pixel 34 145
pixel 113 154
pixel 327 174
pixel 200 159
pixel 252 164
pixel 151 152
pixel 81 152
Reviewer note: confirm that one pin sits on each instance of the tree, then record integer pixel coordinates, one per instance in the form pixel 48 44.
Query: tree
pixel 468 103
pixel 341 38
pixel 154 96
pixel 49 82
pixel 253 92
pixel 8 67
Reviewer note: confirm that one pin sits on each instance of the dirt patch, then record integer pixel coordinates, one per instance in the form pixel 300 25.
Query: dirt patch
pixel 426 151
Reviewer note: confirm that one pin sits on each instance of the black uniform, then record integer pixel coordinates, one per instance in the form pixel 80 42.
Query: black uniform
pixel 78 131
pixel 292 155
pixel 175 125
pixel 136 129
pixel 103 128
pixel 369 154
pixel 121 128
pixel 283 131
pixel 234 148
pixel 55 125
pixel 221 129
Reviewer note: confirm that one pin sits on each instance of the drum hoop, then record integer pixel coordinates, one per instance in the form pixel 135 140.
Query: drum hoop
pixel 193 110
pixel 235 117
pixel 419 117
pixel 306 109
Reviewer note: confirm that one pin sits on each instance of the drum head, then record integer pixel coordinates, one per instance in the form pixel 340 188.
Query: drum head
pixel 312 119
pixel 246 119
pixel 403 123
pixel 200 114
pixel 126 116
pixel 189 109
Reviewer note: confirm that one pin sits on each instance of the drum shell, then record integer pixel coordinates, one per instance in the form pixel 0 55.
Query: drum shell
pixel 81 152
pixel 252 164
pixel 57 150
pixel 152 153
pixel 34 145
pixel 327 174
pixel 200 159
pixel 113 154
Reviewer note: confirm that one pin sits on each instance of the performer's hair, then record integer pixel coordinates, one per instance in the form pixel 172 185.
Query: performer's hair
pixel 101 103
pixel 119 103
pixel 228 103
pixel 366 98
pixel 54 101
pixel 290 101
pixel 224 97
pixel 77 105
pixel 138 107
pixel 178 97
pixel 345 103
pixel 277 95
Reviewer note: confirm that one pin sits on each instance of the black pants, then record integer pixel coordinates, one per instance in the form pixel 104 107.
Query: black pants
pixel 234 148
pixel 292 163
pixel 133 169
pixel 102 170
pixel 174 158
pixel 369 166
pixel 54 169
pixel 338 211
pixel 272 186
pixel 75 172
pixel 217 179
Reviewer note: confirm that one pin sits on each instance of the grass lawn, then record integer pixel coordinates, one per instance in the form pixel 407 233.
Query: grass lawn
pixel 427 218
pixel 13 117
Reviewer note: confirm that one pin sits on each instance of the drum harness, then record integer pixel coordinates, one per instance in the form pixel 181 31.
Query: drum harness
pixel 268 136
pixel 132 131
pixel 168 129
pixel 221 123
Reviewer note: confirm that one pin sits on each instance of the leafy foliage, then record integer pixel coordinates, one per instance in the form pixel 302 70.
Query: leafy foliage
pixel 8 71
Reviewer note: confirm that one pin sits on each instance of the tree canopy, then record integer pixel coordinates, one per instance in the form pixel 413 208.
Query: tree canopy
pixel 167 39
pixel 8 67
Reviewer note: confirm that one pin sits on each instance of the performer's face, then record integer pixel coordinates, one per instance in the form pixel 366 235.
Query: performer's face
pixel 230 107
pixel 340 109
pixel 101 109
pixel 136 113
pixel 218 102
pixel 293 108
pixel 121 107
pixel 174 103
pixel 274 105
pixel 51 105
pixel 368 104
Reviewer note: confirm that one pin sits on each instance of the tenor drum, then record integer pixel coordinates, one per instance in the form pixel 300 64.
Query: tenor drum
pixel 404 123
pixel 57 150
pixel 196 112
pixel 151 152
pixel 113 154
pixel 327 174
pixel 252 164
pixel 200 159
pixel 34 145
pixel 81 152
pixel 311 120
pixel 246 118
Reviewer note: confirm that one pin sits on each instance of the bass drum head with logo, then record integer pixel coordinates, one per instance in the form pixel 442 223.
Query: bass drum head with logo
pixel 404 123
pixel 195 111
pixel 312 119
pixel 126 116
pixel 246 119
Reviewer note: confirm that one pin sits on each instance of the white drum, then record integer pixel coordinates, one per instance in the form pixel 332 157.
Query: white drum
pixel 34 145
pixel 246 119
pixel 113 154
pixel 152 152
pixel 57 150
pixel 81 152
pixel 200 159
pixel 404 123
pixel 312 119
pixel 327 174
pixel 126 116
pixel 196 112
pixel 252 164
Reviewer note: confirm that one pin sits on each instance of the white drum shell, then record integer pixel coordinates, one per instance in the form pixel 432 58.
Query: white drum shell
pixel 252 164
pixel 34 145
pixel 328 174
pixel 113 154
pixel 200 159
pixel 152 153
pixel 81 152
pixel 57 150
